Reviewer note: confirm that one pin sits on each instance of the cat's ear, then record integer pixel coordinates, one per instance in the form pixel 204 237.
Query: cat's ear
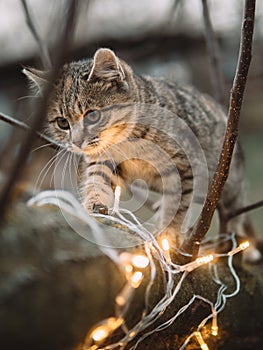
pixel 106 66
pixel 37 78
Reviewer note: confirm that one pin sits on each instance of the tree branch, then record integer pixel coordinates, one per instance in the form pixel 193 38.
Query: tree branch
pixel 192 242
pixel 244 210
pixel 24 126
pixel 217 76
pixel 41 108
pixel 44 54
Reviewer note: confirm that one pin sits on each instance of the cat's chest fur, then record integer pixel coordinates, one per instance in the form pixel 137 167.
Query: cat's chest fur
pixel 134 169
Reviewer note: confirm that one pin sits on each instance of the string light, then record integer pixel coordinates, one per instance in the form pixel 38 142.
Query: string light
pixel 201 341
pixel 124 296
pixel 132 264
pixel 214 327
pixel 117 195
pixel 136 279
pixel 140 261
pixel 198 262
pixel 241 247
pixel 100 332
pixel 166 249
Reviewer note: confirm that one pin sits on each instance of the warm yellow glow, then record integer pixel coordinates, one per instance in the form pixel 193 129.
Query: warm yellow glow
pixel 204 259
pixel 241 246
pixel 198 262
pixel 125 259
pixel 214 328
pixel 120 300
pixel 99 334
pixel 103 330
pixel 128 268
pixel 132 334
pixel 140 261
pixel 136 279
pixel 124 296
pixel 165 244
pixel 214 331
pixel 166 247
pixel 200 340
pixel 244 245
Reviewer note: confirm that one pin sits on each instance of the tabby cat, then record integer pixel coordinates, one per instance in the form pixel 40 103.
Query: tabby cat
pixel 127 126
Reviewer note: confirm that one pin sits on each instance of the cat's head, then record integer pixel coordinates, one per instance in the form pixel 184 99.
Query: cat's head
pixel 82 91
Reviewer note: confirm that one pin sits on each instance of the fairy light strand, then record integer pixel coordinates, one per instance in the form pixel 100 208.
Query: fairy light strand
pixel 133 266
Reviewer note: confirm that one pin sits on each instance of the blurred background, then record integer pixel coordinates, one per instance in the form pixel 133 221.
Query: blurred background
pixel 157 37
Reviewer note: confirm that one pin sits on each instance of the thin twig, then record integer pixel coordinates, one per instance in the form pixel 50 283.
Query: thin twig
pixel 244 210
pixel 172 11
pixel 24 126
pixel 192 242
pixel 217 76
pixel 62 47
pixel 44 54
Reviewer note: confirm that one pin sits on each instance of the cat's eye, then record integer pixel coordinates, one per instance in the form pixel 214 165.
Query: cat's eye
pixel 63 123
pixel 92 116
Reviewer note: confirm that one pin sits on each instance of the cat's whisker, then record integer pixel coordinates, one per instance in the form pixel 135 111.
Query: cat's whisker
pixel 64 153
pixel 40 147
pixel 27 97
pixel 45 170
pixel 71 169
pixel 56 160
pixel 74 164
pixel 67 168
pixel 56 163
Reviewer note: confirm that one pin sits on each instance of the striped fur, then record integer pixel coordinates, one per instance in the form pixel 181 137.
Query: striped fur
pixel 127 127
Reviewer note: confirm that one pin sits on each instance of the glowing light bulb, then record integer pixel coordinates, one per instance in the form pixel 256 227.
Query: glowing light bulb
pixel 214 331
pixel 241 246
pixel 117 192
pixel 99 333
pixel 201 341
pixel 244 245
pixel 204 259
pixel 128 268
pixel 124 296
pixel 136 279
pixel 204 347
pixel 116 204
pixel 214 327
pixel 140 261
pixel 165 244
pixel 198 262
pixel 166 247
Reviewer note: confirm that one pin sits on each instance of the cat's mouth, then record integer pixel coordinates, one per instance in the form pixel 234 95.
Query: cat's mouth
pixel 94 142
pixel 92 147
pixel 86 147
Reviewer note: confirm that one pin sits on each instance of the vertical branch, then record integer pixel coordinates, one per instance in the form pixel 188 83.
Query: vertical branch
pixel 191 243
pixel 62 47
pixel 217 77
pixel 44 54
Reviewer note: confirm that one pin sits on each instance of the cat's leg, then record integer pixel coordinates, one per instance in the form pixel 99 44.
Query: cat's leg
pixel 97 186
pixel 177 193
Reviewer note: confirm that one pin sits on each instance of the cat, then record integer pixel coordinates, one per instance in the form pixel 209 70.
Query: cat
pixel 127 126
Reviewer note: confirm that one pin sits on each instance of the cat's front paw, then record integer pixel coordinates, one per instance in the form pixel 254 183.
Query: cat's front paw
pixel 100 209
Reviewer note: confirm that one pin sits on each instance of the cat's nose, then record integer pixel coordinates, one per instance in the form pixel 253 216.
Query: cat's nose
pixel 78 143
